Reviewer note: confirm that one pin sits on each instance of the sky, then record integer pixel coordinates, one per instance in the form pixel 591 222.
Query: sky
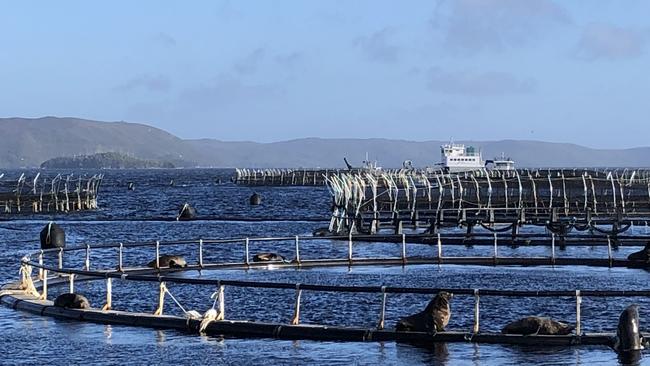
pixel 564 71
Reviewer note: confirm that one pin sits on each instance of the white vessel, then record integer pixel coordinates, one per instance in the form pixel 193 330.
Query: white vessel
pixel 502 163
pixel 460 158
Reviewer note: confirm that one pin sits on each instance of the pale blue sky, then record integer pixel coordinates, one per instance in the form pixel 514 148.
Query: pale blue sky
pixel 570 71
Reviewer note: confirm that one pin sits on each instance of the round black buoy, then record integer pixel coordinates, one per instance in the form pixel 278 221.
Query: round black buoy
pixel 256 199
pixel 131 186
pixel 186 212
pixel 52 236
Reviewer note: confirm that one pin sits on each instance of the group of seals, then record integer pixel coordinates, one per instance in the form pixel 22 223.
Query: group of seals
pixel 52 236
pixel 434 318
pixel 167 260
pixel 72 301
pixel 535 325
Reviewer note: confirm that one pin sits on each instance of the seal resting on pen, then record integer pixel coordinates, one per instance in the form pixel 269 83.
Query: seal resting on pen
pixel 268 257
pixel 171 261
pixel 72 301
pixel 434 318
pixel 535 325
pixel 641 255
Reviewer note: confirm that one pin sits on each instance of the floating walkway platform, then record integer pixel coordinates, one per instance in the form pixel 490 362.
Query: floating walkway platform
pixel 31 293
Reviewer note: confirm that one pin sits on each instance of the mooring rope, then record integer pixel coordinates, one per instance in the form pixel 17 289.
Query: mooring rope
pixel 26 284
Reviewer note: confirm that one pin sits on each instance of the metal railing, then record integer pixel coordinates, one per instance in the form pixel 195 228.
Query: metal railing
pixel 136 274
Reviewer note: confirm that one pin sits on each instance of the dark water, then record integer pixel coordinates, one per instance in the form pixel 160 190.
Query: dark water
pixel 127 216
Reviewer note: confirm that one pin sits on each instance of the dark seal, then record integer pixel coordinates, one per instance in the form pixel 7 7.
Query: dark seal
pixel 256 199
pixel 642 255
pixel 629 342
pixel 171 261
pixel 268 257
pixel 72 301
pixel 52 236
pixel 535 325
pixel 186 213
pixel 434 318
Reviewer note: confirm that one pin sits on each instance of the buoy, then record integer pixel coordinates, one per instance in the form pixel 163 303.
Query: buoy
pixel 218 181
pixel 131 186
pixel 171 183
pixel 256 199
pixel 186 212
pixel 52 236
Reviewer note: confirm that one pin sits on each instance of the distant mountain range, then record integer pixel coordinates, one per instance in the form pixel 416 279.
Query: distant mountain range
pixel 29 142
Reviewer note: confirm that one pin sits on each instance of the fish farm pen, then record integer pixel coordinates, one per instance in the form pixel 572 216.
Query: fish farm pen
pixel 602 202
pixel 65 269
pixel 28 195
pixel 406 219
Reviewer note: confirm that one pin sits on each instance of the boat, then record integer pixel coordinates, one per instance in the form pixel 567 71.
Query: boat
pixel 367 165
pixel 460 158
pixel 502 163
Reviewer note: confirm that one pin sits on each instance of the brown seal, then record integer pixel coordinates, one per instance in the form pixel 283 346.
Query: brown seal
pixel 171 261
pixel 268 257
pixel 434 318
pixel 535 325
pixel 72 301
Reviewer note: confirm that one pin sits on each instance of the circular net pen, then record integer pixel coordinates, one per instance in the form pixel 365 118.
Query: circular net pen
pixel 237 288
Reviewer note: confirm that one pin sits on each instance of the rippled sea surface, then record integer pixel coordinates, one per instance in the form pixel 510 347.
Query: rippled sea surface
pixel 146 214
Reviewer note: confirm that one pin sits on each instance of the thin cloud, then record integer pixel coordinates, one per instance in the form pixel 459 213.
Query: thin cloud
pixel 609 42
pixel 164 39
pixel 248 64
pixel 478 84
pixel 227 91
pixel 289 60
pixel 154 83
pixel 472 26
pixel 377 46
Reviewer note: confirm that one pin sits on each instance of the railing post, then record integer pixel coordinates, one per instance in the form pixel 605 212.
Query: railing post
pixel 403 248
pixel 72 283
pixel 578 302
pixel 200 253
pixel 60 258
pixel 439 249
pixel 609 250
pixel 246 255
pixel 40 263
pixel 350 247
pixel 297 250
pixel 120 259
pixel 476 311
pixel 109 294
pixel 87 262
pixel 382 314
pixel 157 254
pixel 44 292
pixel 496 253
pixel 553 248
pixel 222 303
pixel 296 312
pixel 161 299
